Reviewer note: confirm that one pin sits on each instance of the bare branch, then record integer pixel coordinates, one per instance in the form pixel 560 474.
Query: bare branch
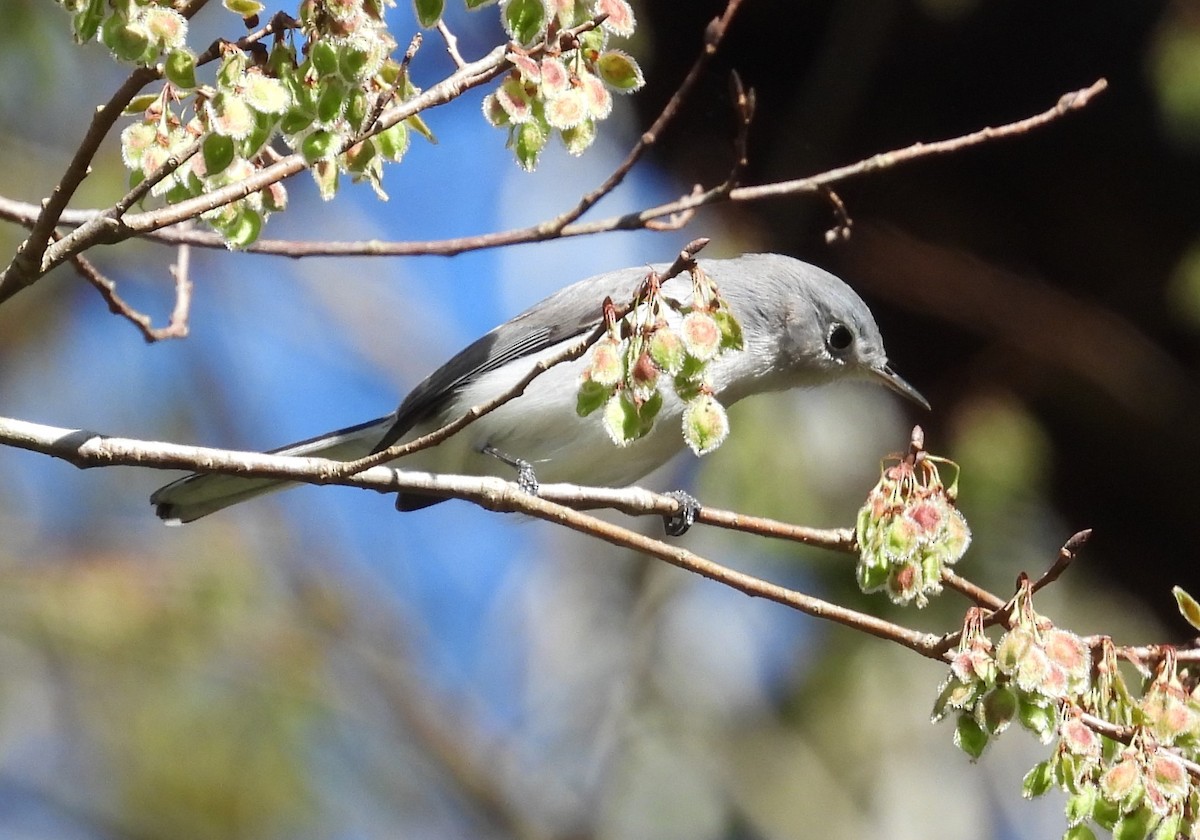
pixel 151 228
pixel 87 449
pixel 451 44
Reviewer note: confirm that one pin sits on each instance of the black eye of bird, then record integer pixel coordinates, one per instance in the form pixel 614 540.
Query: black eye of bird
pixel 839 338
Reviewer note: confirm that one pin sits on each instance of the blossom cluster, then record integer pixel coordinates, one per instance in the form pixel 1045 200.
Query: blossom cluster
pixel 564 90
pixel 661 343
pixel 1126 763
pixel 322 85
pixel 909 530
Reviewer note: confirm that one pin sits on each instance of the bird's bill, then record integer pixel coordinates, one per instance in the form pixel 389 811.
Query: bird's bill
pixel 897 383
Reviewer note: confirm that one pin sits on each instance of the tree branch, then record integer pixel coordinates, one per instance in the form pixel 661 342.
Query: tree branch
pixel 87 449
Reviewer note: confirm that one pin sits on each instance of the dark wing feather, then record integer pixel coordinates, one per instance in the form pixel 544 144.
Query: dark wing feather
pixel 565 314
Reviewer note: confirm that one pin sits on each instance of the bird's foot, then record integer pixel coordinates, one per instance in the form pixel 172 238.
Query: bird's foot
pixel 677 524
pixel 526 478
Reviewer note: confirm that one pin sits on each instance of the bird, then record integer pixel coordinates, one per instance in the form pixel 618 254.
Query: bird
pixel 802 327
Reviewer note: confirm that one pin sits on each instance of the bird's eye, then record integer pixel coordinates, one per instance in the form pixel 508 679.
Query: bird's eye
pixel 839 338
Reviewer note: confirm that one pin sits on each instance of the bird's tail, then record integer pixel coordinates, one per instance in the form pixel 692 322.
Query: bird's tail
pixel 199 494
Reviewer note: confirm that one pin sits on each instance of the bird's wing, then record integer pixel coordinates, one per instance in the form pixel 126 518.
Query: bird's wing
pixel 567 313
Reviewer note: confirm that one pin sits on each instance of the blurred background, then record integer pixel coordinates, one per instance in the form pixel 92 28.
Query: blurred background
pixel 314 665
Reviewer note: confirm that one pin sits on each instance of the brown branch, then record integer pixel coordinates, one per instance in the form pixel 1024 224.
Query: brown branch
pixel 25 267
pixel 159 230
pixel 1065 555
pixel 451 44
pixel 88 449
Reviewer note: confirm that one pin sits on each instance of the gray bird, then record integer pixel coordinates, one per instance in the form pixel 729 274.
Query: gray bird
pixel 801 326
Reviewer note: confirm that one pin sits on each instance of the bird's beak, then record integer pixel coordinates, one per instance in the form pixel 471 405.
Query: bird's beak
pixel 896 382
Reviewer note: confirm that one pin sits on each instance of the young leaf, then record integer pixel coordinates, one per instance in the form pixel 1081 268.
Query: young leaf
pixel 244 8
pixel 1188 607
pixel 1037 781
pixel 524 20
pixel 218 153
pixel 479 4
pixel 619 71
pixel 969 736
pixel 429 12
pixel 180 68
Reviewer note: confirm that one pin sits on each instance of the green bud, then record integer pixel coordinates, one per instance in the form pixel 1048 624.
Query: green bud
pixel 1080 805
pixel 243 8
pixel 667 350
pixel 331 101
pixel 218 153
pixel 319 145
pixel 524 20
pixel 429 12
pixel 1037 781
pixel 579 138
pixel 999 708
pixel 969 736
pixel 529 140
pixel 295 121
pixel 180 69
pixel 619 71
pixel 393 142
pixel 324 58
pixel 591 396
pixel 325 174
pixel 705 424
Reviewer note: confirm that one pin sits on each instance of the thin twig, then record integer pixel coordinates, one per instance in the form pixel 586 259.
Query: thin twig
pixel 88 449
pixel 451 44
pixel 152 226
pixel 176 328
pixel 1065 555
pixel 25 266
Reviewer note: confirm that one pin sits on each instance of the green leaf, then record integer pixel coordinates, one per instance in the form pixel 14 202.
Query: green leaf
pixel 244 8
pixel 969 736
pixel 591 396
pixel 524 20
pixel 1038 780
pixel 1038 719
pixel 295 121
pixel 139 104
pixel 393 142
pixel 87 22
pixel 1188 607
pixel 324 58
pixel 429 12
pixel 529 140
pixel 332 100
pixel 418 125
pixel 999 709
pixel 731 330
pixel 325 174
pixel 479 4
pixel 218 153
pixel 1169 827
pixel 619 71
pixel 319 145
pixel 180 68
pixel 246 227
pixel 1079 832
pixel 1135 825
pixel 705 424
pixel 1080 805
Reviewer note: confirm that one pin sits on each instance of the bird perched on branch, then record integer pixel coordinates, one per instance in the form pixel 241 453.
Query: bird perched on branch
pixel 797 326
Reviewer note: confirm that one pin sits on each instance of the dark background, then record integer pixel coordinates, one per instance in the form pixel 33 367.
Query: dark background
pixel 1038 267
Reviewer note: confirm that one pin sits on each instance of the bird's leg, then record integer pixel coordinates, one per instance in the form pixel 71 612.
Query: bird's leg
pixel 526 479
pixel 677 524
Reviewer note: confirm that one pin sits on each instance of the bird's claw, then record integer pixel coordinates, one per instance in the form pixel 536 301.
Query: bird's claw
pixel 526 477
pixel 678 523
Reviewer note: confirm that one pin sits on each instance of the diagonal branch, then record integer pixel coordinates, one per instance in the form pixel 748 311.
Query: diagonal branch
pixel 156 228
pixel 87 449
